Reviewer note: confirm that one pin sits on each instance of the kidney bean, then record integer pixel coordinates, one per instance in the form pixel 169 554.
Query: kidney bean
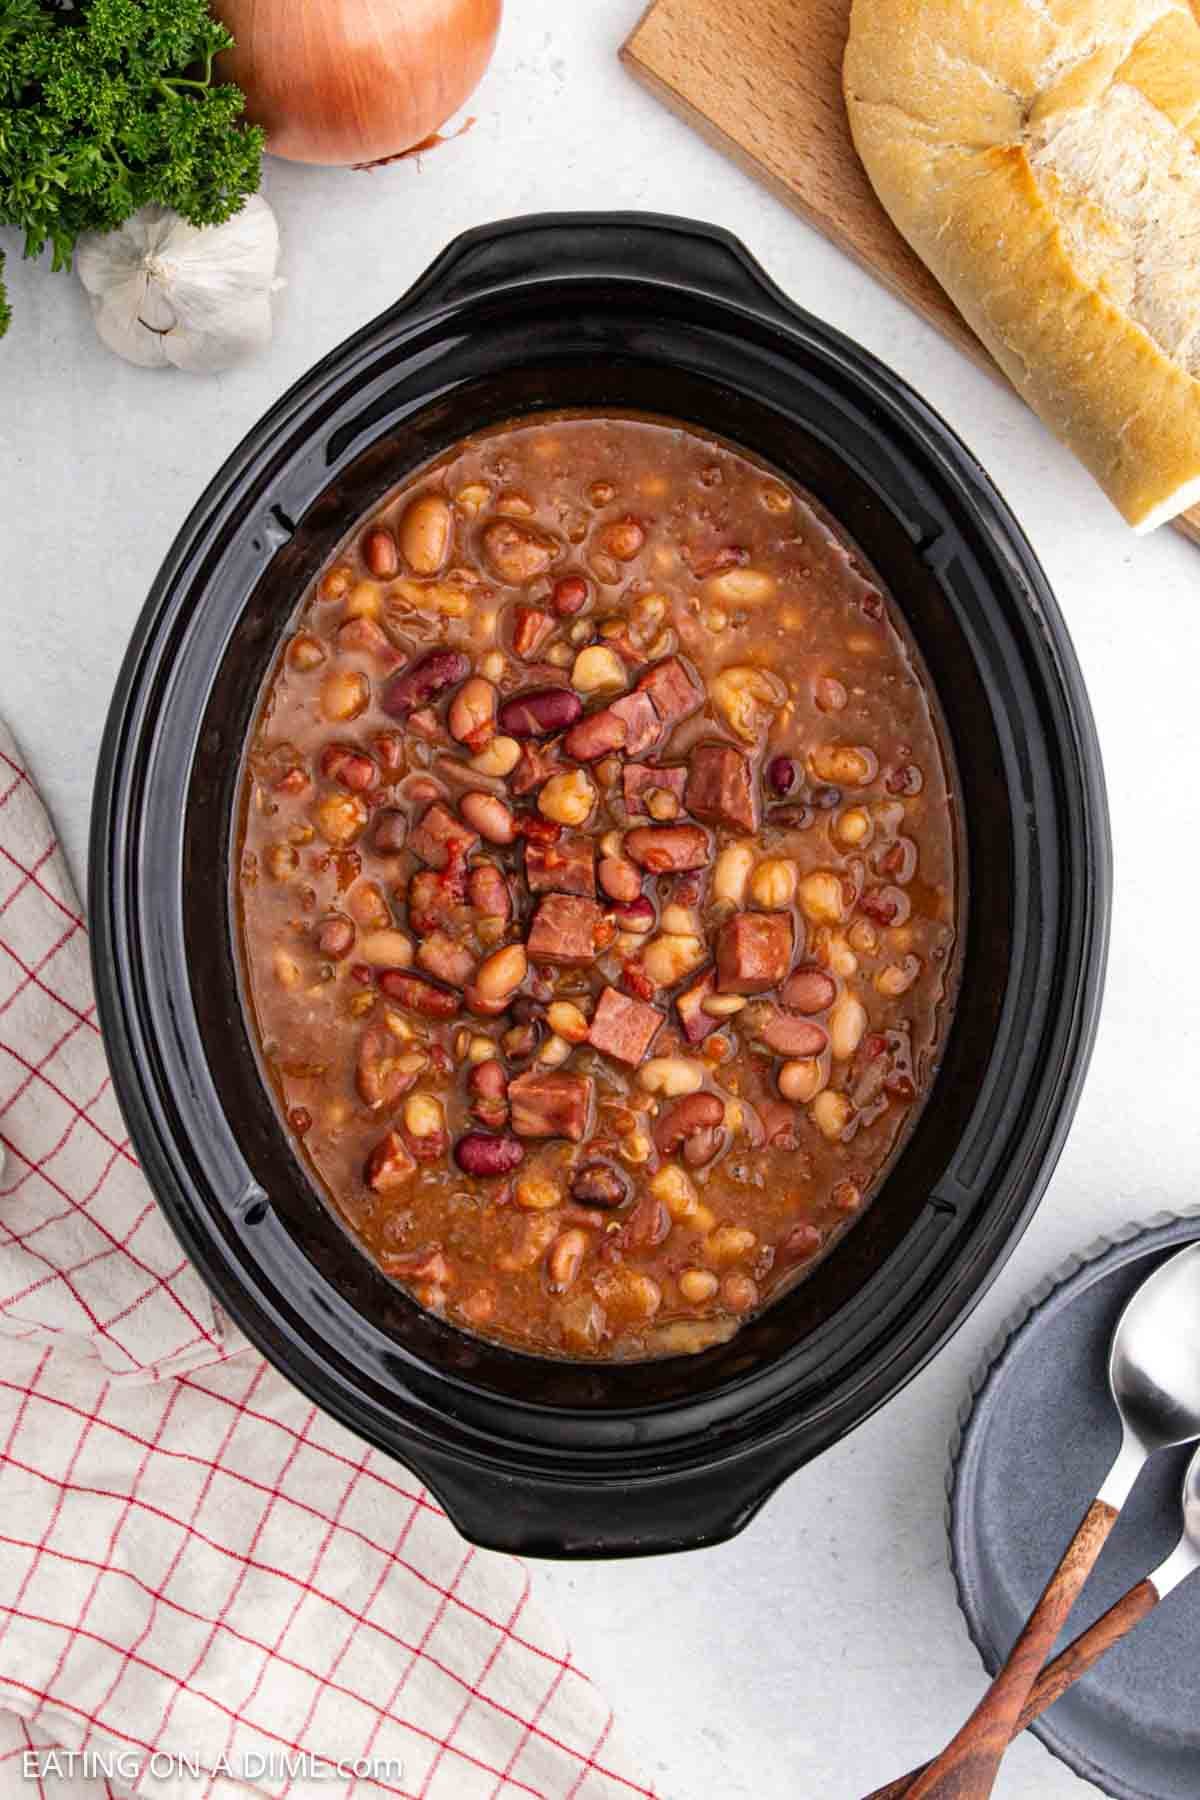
pixel 595 736
pixel 423 681
pixel 488 815
pixel 569 596
pixel 479 1154
pixel 540 712
pixel 380 553
pixel 789 1035
pixel 419 995
pixel 808 990
pixel 635 915
pixel 487 1086
pixel 782 774
pixel 646 1227
pixel 693 1113
pixel 601 1184
pixel 335 937
pixel 664 849
pixel 354 769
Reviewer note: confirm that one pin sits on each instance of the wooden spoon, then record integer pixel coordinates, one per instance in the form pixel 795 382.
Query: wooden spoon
pixel 1154 1378
pixel 1099 1638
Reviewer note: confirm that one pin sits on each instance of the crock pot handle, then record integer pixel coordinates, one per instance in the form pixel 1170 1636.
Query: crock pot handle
pixel 581 1518
pixel 683 254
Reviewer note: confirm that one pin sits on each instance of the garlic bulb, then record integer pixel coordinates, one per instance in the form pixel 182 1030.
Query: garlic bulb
pixel 164 291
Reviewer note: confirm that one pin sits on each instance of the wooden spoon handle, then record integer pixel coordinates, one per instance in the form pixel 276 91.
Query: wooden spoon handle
pixel 967 1767
pixel 1064 1671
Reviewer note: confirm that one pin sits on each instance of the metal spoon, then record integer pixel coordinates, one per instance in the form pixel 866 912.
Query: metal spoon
pixel 1154 1377
pixel 1120 1618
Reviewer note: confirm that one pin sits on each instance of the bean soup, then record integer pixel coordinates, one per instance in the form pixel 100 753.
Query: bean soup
pixel 599 888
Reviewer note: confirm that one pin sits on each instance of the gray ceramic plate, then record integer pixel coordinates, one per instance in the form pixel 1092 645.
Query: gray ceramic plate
pixel 1038 1438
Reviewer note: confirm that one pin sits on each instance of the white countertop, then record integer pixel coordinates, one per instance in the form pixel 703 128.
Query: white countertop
pixel 821 1653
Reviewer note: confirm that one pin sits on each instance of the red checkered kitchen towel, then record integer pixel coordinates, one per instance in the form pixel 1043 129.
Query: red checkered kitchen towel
pixel 206 1586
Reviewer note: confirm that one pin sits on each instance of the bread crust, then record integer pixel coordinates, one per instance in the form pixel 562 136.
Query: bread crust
pixel 1042 157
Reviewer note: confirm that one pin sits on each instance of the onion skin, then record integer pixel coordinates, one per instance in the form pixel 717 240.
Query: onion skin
pixel 355 81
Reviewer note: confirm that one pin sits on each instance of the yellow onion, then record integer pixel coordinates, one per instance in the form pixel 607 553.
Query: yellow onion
pixel 355 81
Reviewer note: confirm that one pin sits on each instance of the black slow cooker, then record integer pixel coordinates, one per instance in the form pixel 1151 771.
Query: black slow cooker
pixel 628 311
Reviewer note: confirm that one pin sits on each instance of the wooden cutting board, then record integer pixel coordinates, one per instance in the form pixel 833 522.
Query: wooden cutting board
pixel 762 80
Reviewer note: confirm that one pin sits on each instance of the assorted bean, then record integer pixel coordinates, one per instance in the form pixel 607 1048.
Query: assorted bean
pixel 599 886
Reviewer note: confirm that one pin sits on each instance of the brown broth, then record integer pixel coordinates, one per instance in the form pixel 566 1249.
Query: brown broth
pixel 698 562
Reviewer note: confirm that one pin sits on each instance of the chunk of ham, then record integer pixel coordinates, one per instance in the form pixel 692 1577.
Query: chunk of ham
pixel 567 867
pixel 438 833
pixel 624 1028
pixel 674 691
pixel 754 952
pixel 720 787
pixel 551 1103
pixel 696 1023
pixel 565 930
pixel 638 779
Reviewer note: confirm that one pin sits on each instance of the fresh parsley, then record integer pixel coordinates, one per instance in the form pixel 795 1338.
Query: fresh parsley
pixel 106 105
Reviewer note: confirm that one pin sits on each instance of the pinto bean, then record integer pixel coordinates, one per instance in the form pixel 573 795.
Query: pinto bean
pixel 472 715
pixel 565 1259
pixel 540 712
pixel 488 815
pixel 487 1087
pixel 479 1154
pixel 423 681
pixel 335 937
pixel 620 880
pixel 488 892
pixel 425 534
pixel 789 1035
pixel 419 995
pixel 808 990
pixel 497 979
pixel 380 554
pixel 694 1113
pixel 665 849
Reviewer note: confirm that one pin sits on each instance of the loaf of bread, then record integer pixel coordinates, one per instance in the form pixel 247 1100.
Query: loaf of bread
pixel 1042 157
